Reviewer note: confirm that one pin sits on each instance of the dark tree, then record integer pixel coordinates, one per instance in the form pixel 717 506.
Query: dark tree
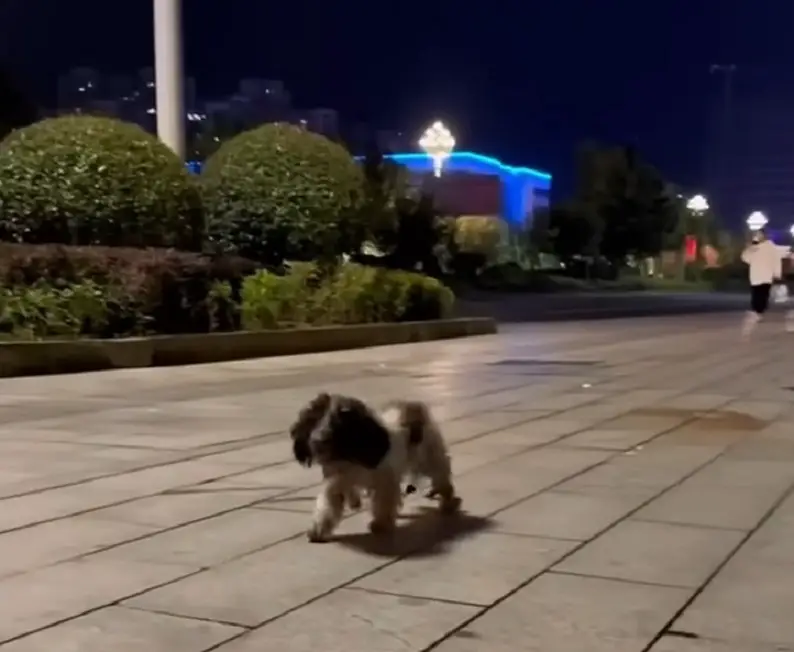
pixel 16 108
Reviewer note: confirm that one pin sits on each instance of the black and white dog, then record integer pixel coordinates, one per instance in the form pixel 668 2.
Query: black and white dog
pixel 360 449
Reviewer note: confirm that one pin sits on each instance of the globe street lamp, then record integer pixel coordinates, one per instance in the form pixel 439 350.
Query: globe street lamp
pixel 169 83
pixel 438 143
pixel 698 204
pixel 756 221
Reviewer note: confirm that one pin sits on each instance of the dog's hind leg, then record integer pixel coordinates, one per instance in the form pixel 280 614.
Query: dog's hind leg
pixel 443 488
pixel 353 497
pixel 386 501
pixel 328 509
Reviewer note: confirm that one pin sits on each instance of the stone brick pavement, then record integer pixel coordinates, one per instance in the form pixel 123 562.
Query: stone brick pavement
pixel 627 487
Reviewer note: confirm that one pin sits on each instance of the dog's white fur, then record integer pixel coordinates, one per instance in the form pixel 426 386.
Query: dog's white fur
pixel 416 449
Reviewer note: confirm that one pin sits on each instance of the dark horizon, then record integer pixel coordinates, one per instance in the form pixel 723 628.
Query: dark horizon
pixel 525 86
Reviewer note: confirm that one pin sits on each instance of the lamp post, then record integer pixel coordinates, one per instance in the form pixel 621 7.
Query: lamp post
pixel 437 142
pixel 168 74
pixel 756 221
pixel 697 206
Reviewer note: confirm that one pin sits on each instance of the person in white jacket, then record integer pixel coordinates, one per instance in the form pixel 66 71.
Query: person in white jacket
pixel 766 267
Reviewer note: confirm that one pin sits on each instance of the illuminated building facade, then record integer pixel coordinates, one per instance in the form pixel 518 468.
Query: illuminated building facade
pixel 474 184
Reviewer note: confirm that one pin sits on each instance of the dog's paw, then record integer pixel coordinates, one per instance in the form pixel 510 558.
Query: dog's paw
pixel 317 534
pixel 451 505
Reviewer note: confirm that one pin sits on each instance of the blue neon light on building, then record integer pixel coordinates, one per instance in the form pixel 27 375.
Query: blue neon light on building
pixel 517 182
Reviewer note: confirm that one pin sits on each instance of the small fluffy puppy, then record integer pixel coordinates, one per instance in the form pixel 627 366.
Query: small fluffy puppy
pixel 359 448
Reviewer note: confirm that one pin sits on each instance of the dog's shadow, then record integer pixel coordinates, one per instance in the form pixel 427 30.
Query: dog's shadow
pixel 425 532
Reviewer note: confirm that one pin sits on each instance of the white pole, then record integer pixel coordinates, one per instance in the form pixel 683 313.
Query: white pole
pixel 168 74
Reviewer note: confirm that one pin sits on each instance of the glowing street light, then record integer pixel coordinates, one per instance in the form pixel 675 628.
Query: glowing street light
pixel 438 143
pixel 791 230
pixel 698 204
pixel 757 221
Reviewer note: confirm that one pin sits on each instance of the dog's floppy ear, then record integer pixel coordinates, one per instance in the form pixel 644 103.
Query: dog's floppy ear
pixel 369 438
pixel 307 421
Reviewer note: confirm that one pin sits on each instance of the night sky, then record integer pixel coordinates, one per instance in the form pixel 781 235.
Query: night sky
pixel 525 84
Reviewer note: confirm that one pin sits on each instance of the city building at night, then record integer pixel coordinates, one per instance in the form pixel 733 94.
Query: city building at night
pixel 475 184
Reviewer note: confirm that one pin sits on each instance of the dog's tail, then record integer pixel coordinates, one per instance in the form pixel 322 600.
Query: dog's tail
pixel 300 432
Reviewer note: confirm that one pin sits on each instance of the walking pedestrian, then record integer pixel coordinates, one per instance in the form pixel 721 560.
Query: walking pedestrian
pixel 765 268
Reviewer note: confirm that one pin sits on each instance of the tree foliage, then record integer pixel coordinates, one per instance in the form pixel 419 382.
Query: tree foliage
pixel 402 222
pixel 621 207
pixel 95 181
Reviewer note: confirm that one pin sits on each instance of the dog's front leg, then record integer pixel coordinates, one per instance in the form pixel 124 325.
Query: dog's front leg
pixel 386 501
pixel 328 509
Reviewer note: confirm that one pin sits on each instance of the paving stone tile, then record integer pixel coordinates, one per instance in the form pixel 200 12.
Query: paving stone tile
pixel 49 595
pixel 656 553
pixel 215 540
pixel 557 612
pixel 49 543
pixel 680 644
pixel 477 570
pixel 748 602
pixel 498 485
pixel 126 630
pixel 712 506
pixel 263 585
pixel 357 622
pixel 617 440
pixel 561 515
pixel 169 510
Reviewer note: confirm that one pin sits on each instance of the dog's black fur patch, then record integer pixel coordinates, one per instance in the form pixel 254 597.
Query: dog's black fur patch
pixel 358 436
pixel 301 431
pixel 350 430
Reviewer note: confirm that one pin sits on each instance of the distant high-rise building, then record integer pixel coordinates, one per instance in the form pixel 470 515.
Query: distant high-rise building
pixel 321 121
pixel 130 98
pixel 750 162
pixel 79 88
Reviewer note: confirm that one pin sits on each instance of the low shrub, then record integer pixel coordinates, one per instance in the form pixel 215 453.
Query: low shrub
pixel 143 290
pixel 351 294
pixel 42 311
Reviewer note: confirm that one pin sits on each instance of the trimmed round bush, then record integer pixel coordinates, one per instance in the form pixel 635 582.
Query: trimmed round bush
pixel 86 180
pixel 280 192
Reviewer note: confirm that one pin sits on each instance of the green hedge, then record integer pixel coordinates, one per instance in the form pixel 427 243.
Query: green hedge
pixel 354 294
pixel 280 192
pixel 84 180
pixel 60 291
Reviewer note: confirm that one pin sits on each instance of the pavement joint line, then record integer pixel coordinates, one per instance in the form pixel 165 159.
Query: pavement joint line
pixel 695 526
pixel 536 537
pixel 163 612
pixel 424 598
pixel 730 556
pixel 620 580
